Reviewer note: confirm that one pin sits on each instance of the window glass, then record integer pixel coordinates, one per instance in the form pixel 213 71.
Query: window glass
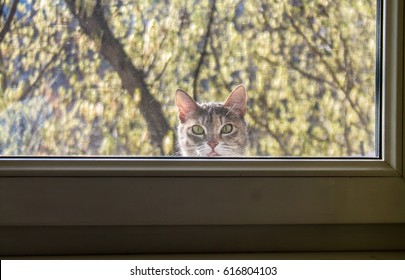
pixel 264 78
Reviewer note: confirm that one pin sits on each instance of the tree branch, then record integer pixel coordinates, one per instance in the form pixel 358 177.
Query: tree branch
pixel 276 137
pixel 132 78
pixel 159 76
pixel 346 134
pixel 7 24
pixel 218 64
pixel 1 8
pixel 156 55
pixel 28 91
pixel 3 72
pixel 313 77
pixel 204 52
pixel 354 106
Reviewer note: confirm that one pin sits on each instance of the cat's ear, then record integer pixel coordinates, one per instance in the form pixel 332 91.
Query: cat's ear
pixel 236 101
pixel 185 105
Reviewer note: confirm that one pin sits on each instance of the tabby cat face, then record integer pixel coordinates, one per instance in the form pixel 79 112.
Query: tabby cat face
pixel 212 129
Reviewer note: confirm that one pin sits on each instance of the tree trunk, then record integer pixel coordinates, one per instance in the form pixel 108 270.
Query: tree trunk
pixel 132 78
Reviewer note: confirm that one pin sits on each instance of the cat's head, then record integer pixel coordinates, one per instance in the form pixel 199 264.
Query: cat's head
pixel 212 129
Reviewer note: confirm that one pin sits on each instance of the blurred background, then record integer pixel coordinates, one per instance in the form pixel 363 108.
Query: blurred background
pixel 97 78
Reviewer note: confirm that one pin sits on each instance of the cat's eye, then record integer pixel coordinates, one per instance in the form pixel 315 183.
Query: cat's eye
pixel 227 129
pixel 197 129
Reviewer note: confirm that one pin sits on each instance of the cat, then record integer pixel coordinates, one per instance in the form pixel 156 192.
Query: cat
pixel 212 129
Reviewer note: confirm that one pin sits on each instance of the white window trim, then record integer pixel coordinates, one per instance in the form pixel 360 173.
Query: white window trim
pixel 181 192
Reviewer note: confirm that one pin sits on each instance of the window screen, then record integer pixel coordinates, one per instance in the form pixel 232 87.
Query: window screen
pixel 265 78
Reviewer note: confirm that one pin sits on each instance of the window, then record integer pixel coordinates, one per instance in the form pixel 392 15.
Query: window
pixel 83 78
pixel 226 204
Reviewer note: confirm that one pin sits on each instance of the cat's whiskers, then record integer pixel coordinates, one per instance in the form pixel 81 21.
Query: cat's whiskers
pixel 196 154
pixel 176 154
pixel 200 149
pixel 232 151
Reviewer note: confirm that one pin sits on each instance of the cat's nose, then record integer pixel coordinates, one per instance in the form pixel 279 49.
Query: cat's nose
pixel 213 143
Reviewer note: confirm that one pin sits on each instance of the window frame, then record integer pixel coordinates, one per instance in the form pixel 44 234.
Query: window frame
pixel 155 193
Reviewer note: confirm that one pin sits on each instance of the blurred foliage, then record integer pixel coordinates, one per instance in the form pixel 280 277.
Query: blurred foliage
pixel 309 67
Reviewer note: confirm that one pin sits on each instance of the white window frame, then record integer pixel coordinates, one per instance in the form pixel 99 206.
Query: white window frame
pixel 157 198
